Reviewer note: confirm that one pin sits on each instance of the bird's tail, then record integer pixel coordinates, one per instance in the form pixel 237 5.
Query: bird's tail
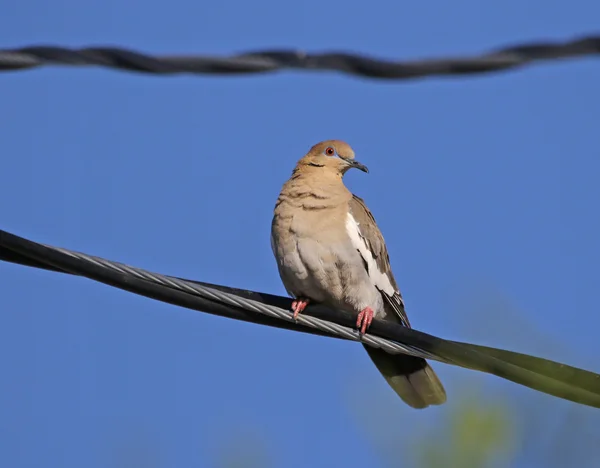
pixel 412 378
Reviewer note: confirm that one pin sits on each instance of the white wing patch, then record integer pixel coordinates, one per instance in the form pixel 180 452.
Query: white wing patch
pixel 379 279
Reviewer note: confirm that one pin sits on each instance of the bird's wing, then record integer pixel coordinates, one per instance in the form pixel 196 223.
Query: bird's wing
pixel 368 241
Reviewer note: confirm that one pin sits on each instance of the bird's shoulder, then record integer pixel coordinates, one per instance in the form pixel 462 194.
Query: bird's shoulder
pixel 371 235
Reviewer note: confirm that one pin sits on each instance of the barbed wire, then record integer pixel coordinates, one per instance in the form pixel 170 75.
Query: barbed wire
pixel 275 60
pixel 543 375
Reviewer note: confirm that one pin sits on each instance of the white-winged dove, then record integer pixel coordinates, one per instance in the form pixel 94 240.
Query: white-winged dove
pixel 329 250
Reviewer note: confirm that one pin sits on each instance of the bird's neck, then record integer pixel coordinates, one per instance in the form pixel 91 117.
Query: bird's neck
pixel 315 191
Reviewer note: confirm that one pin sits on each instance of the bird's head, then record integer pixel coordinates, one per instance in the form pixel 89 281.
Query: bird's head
pixel 333 156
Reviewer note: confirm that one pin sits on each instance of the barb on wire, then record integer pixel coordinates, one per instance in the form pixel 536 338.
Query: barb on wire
pixel 540 374
pixel 275 60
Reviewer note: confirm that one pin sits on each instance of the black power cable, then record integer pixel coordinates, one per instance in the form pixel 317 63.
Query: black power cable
pixel 276 60
pixel 543 375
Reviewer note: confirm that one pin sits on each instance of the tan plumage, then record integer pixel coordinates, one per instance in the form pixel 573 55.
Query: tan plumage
pixel 329 250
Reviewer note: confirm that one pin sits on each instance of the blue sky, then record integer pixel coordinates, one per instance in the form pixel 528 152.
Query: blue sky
pixel 485 189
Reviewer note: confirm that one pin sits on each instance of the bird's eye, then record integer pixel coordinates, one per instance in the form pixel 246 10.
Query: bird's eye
pixel 329 151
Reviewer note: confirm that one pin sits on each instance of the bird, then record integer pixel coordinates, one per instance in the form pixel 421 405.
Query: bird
pixel 329 250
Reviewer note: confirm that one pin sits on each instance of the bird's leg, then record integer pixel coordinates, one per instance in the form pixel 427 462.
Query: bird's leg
pixel 364 319
pixel 299 305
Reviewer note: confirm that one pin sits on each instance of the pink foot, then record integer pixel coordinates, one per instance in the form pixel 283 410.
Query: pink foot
pixel 298 306
pixel 364 319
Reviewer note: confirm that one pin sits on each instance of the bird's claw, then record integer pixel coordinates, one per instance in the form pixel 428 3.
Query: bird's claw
pixel 298 306
pixel 364 319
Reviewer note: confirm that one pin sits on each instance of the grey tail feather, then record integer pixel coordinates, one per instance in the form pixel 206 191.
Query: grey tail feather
pixel 412 378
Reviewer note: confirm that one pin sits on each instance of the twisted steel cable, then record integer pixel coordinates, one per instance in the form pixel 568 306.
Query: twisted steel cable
pixel 275 60
pixel 543 375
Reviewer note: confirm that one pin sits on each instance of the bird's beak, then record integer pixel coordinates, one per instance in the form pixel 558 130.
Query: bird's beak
pixel 357 165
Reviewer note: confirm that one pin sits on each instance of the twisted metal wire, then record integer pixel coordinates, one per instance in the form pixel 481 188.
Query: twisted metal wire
pixel 546 376
pixel 251 305
pixel 275 60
